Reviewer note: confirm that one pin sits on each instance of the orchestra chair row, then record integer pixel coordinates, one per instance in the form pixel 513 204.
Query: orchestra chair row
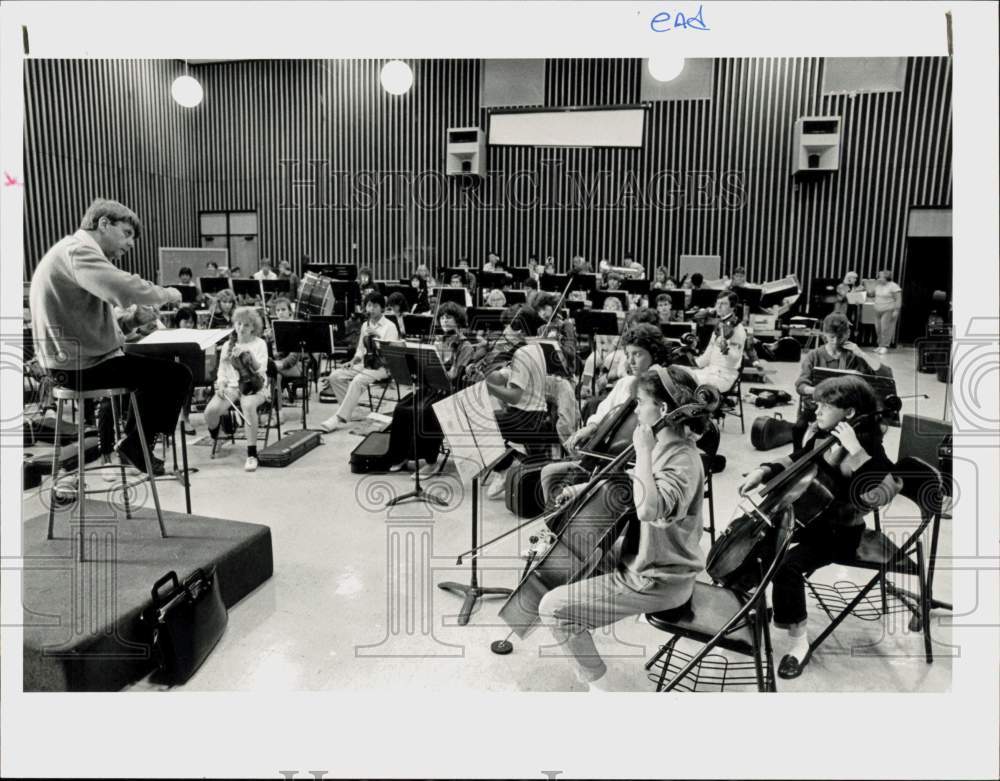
pixel 61 395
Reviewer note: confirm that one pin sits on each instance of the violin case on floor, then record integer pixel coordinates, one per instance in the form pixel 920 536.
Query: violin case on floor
pixel 289 448
pixel 523 488
pixel 372 454
pixel 770 432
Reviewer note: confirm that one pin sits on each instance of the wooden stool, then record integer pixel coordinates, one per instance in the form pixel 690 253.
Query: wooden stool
pixel 61 396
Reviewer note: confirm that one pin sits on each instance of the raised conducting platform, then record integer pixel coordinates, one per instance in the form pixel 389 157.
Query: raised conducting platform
pixel 81 619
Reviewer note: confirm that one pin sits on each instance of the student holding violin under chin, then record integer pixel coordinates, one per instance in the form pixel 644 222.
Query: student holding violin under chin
pixel 856 472
pixel 657 566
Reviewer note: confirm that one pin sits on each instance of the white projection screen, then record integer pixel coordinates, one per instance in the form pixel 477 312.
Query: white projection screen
pixel 601 127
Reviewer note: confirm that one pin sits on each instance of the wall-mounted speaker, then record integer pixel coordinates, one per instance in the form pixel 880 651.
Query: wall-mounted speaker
pixel 816 145
pixel 466 152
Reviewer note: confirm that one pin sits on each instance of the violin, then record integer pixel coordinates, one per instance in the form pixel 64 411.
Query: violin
pixel 246 366
pixel 724 330
pixel 587 526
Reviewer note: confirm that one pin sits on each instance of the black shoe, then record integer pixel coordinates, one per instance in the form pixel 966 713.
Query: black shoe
pixel 789 668
pixel 130 451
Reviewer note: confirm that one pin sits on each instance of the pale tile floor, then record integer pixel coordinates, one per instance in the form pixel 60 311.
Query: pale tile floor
pixel 328 619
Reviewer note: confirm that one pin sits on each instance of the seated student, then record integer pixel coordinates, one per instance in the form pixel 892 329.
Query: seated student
pixel 836 353
pixel 211 269
pixel 643 348
pixel 657 567
pixel 185 276
pixel 414 410
pixel 661 279
pixel 613 281
pixel 348 383
pixel 608 347
pixel 287 365
pixel 859 474
pixel 396 303
pixel 550 265
pixel 580 265
pixel 530 286
pixel 222 309
pixel 265 272
pixel 458 281
pixel 496 299
pixel 739 278
pixel 664 308
pixel 423 302
pixel 285 272
pixel 244 348
pixel 720 364
pixel 520 389
pixel 629 262
pixel 558 328
pixel 470 277
pixel 849 285
pixel 366 283
pixel 424 273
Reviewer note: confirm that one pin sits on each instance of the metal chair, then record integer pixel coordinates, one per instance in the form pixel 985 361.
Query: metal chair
pixel 877 552
pixel 735 396
pixel 272 404
pixel 720 618
pixel 61 396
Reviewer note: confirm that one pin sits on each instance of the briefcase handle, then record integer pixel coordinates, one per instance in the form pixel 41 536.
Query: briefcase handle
pixel 170 576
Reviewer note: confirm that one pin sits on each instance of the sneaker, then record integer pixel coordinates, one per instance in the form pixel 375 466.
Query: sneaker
pixel 333 424
pixel 189 430
pixel 882 350
pixel 250 465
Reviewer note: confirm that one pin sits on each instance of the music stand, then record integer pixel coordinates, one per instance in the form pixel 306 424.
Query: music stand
pixel 419 366
pixel 593 322
pixel 677 330
pixel 515 297
pixel 456 295
pixel 188 293
pixel 407 291
pixel 519 274
pixel 750 297
pixel 553 283
pixel 345 291
pixel 704 298
pixel 213 285
pixel 418 325
pixel 492 280
pixel 777 295
pixel 637 287
pixel 586 282
pixel 248 288
pixel 275 287
pixel 574 307
pixel 303 337
pixel 485 318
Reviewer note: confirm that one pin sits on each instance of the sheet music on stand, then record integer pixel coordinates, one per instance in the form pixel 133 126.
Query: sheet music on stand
pixel 470 427
pixel 205 338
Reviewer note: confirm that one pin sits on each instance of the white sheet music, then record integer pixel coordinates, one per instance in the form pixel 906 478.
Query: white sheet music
pixel 470 426
pixel 205 338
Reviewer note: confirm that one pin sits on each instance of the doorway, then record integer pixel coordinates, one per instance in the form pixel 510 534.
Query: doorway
pixel 928 269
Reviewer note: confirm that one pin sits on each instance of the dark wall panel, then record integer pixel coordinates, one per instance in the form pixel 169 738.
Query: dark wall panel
pixel 713 176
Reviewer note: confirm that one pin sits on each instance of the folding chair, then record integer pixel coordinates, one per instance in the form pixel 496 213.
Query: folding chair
pixel 735 406
pixel 876 552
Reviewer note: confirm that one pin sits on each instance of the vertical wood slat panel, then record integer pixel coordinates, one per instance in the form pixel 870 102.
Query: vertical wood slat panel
pixel 109 127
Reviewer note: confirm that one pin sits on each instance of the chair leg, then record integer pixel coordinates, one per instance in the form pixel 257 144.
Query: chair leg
pixel 839 619
pixel 150 478
pixel 925 613
pixel 116 422
pixel 81 483
pixel 55 469
pixel 743 428
pixel 710 495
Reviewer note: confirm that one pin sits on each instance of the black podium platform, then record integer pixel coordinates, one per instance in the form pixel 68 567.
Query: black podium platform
pixel 81 619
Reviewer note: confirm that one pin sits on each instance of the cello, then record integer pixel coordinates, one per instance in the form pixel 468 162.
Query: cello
pixel 589 525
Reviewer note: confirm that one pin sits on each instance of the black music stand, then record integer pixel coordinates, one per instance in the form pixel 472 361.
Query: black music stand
pixel 407 291
pixel 574 307
pixel 520 273
pixel 554 283
pixel 777 296
pixel 486 318
pixel 677 330
pixel 515 297
pixel 637 287
pixel 492 280
pixel 276 287
pixel 750 297
pixel 418 325
pixel 474 592
pixel 704 298
pixel 211 286
pixel 593 322
pixel 454 294
pixel 303 337
pixel 345 291
pixel 419 366
pixel 249 288
pixel 188 293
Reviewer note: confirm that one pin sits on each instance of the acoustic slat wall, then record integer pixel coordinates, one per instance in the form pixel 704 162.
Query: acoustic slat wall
pixel 713 176
pixel 106 128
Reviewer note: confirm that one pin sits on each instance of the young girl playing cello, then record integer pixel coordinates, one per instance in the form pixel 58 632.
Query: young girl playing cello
pixel 657 567
pixel 861 476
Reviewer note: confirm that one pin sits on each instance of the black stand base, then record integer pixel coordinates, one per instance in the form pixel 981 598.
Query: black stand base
pixel 472 594
pixel 417 495
pixel 501 647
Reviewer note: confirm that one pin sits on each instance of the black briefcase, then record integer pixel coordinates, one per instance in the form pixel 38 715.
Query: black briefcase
pixel 770 432
pixel 184 624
